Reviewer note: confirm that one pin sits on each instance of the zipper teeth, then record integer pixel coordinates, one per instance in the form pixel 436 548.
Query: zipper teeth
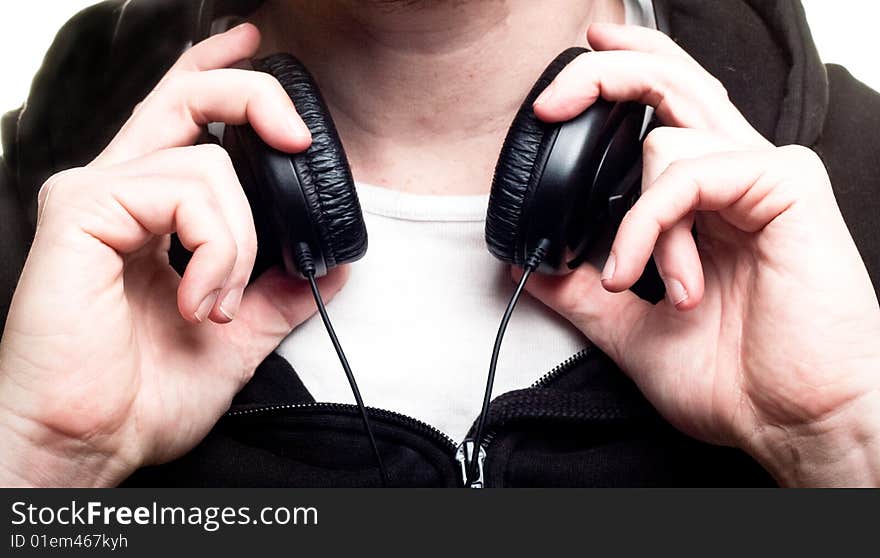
pixel 557 370
pixel 372 411
pixel 563 367
pixel 437 434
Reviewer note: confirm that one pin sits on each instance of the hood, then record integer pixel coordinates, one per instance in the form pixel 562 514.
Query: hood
pixel 108 57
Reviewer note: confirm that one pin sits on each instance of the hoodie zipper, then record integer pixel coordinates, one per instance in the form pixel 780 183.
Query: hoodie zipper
pixel 465 449
pixel 397 419
pixel 383 414
pixel 563 367
pixel 460 453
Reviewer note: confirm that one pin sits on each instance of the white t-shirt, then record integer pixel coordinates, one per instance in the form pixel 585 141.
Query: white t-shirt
pixel 419 314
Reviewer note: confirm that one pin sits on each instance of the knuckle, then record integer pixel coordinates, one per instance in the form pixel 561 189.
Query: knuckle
pixel 172 93
pixel 691 71
pixel 629 217
pixel 137 108
pixel 266 84
pixel 583 58
pixel 801 155
pixel 679 169
pixel 662 37
pixel 678 68
pixel 60 185
pixel 173 84
pixel 189 59
pixel 718 87
pixel 266 80
pixel 656 139
pixel 806 163
pixel 678 174
pixel 213 155
pixel 186 58
pixel 211 163
pixel 195 193
pixel 581 65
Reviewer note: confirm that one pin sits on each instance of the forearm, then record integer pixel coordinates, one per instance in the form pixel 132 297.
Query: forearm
pixel 842 450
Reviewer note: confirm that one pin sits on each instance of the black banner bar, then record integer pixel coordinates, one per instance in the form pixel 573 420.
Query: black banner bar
pixel 239 522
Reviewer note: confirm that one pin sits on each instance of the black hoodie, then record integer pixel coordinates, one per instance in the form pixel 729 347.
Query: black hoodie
pixel 585 423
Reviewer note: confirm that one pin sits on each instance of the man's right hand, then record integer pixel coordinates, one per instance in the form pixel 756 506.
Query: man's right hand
pixel 767 339
pixel 110 360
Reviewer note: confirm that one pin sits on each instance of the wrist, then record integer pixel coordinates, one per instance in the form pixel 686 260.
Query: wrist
pixel 841 450
pixel 35 455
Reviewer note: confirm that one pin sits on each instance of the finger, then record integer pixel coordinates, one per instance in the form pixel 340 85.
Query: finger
pixel 220 51
pixel 606 318
pixel 746 188
pixel 612 36
pixel 683 94
pixel 272 307
pixel 665 145
pixel 126 213
pixel 678 263
pixel 193 212
pixel 174 114
pixel 211 165
pixel 675 252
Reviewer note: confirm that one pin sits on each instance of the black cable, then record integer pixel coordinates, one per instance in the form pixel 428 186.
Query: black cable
pixel 306 266
pixel 531 264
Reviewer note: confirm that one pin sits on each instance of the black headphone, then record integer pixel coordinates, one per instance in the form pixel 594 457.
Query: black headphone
pixel 562 187
pixel 558 192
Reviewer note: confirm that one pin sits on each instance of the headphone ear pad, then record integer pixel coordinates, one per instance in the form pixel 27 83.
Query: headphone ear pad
pixel 323 170
pixel 515 176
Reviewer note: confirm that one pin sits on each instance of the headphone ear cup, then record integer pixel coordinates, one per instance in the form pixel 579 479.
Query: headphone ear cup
pixel 323 168
pixel 515 179
pixel 325 199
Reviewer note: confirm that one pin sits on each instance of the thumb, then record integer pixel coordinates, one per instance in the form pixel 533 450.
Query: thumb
pixel 272 306
pixel 606 318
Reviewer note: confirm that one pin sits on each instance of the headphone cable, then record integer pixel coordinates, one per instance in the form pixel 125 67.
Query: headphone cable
pixel 532 262
pixel 307 267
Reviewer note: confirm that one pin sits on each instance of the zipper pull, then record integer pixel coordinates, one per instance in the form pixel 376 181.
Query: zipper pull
pixel 464 457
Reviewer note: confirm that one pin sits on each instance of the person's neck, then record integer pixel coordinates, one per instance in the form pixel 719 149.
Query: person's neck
pixel 423 92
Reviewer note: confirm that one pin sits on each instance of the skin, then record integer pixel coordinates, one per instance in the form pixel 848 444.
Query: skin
pixel 423 92
pixel 766 340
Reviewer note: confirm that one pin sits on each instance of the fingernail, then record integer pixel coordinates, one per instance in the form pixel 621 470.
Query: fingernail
pixel 545 96
pixel 206 305
pixel 231 302
pixel 675 291
pixel 610 266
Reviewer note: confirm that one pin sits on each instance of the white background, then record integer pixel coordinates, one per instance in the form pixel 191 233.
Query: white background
pixel 846 32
